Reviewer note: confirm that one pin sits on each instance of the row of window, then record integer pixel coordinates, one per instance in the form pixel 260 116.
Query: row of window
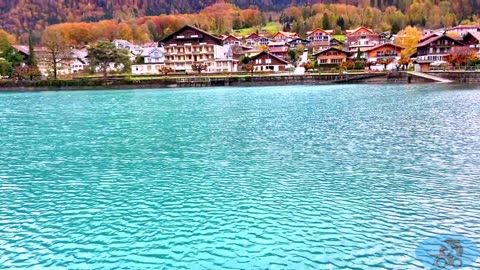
pixel 259 61
pixel 330 61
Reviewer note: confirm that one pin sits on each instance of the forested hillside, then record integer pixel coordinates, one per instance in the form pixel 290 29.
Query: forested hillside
pixel 22 16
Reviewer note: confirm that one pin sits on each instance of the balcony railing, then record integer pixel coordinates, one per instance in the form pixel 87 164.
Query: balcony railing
pixel 391 54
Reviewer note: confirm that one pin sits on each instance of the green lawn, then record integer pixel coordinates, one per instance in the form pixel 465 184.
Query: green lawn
pixel 340 38
pixel 270 28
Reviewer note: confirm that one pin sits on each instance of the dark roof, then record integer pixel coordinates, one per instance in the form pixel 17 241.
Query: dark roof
pixel 270 55
pixel 435 38
pixel 295 39
pixel 329 49
pixel 192 27
pixel 475 35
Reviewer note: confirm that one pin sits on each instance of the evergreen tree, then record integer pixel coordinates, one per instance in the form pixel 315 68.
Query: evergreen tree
pixel 32 60
pixel 341 22
pixel 326 21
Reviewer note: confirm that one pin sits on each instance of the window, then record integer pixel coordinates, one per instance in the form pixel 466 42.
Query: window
pixel 268 61
pixel 323 61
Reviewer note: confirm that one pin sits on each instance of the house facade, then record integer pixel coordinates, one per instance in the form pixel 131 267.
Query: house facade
pixel 232 40
pixel 285 36
pixel 331 56
pixel 384 51
pixel 278 48
pixel 265 61
pixel 190 45
pixel 434 49
pixel 361 38
pixel 153 60
pixel 319 39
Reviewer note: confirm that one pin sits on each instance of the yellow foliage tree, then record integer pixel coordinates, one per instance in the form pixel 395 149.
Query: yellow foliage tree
pixel 6 36
pixel 408 38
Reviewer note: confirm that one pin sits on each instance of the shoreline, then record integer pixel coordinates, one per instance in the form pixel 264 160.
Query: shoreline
pixel 205 80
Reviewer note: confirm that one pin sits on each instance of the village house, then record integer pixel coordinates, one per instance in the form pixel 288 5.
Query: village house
pixel 285 36
pixel 190 45
pixel 231 40
pixel 278 48
pixel 151 60
pixel 331 56
pixel 295 42
pixel 462 30
pixel 472 40
pixel 433 49
pixel 71 62
pixel 361 38
pixel 265 61
pixel 381 52
pixel 319 39
pixel 254 40
pixel 134 50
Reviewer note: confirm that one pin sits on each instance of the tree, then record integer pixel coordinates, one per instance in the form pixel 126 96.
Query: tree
pixel 250 67
pixel 341 23
pixel 385 62
pixel 32 60
pixel 461 56
pixel 308 66
pixel 5 68
pixel 326 21
pixel 199 67
pixel 165 70
pixel 245 60
pixel 292 55
pixel 56 47
pixel 408 39
pixel 104 53
pixel 404 62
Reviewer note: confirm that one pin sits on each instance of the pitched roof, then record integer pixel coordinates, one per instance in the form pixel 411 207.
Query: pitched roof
pixel 435 38
pixel 194 28
pixel 385 44
pixel 230 36
pixel 330 49
pixel 475 35
pixel 353 31
pixel 328 32
pixel 270 55
pixel 287 34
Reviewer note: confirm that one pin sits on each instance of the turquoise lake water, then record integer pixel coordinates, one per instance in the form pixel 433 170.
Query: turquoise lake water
pixel 297 177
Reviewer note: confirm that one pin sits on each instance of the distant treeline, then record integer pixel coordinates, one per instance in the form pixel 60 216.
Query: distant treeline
pixel 145 20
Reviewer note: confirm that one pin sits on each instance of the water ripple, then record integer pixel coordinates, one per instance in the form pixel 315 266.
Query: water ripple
pixel 318 177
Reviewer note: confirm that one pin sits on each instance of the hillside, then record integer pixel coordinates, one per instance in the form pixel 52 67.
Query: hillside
pixel 22 16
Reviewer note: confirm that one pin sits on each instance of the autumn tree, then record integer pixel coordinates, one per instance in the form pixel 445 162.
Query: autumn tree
pixel 165 70
pixel 250 67
pixel 408 39
pixel 308 66
pixel 199 67
pixel 404 62
pixel 57 48
pixel 104 54
pixel 385 62
pixel 10 58
pixel 461 56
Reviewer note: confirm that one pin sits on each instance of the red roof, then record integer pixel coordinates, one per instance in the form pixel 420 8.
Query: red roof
pixel 385 44
pixel 353 31
pixel 319 30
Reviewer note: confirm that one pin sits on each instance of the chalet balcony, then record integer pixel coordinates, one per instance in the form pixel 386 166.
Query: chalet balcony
pixel 389 54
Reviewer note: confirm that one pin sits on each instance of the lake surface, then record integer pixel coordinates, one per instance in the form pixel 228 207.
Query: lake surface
pixel 297 177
